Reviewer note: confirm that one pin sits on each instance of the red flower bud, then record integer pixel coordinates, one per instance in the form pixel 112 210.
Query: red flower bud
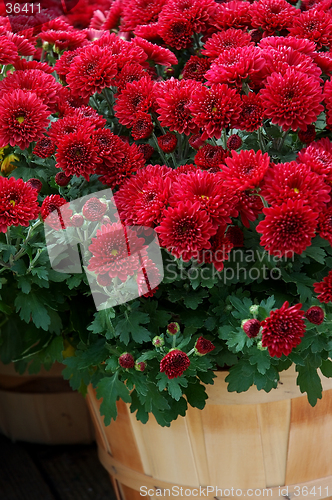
pixel 315 315
pixel 62 179
pixel 203 346
pixel 251 327
pixel 167 142
pixel 174 363
pixel 126 360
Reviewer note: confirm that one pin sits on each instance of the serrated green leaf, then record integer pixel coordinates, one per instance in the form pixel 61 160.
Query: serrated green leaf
pixel 309 381
pixel 32 306
pixel 261 359
pixel 326 368
pixel 110 389
pixel 130 327
pixel 196 395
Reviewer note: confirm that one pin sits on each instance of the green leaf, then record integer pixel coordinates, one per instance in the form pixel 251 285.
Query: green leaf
pixel 32 306
pixel 309 381
pixel 110 389
pixel 240 377
pixel 261 359
pixel 196 394
pixel 130 327
pixel 192 300
pixel 316 253
pixel 241 306
pixel 326 368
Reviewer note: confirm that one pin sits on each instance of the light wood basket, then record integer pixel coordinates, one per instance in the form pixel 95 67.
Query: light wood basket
pixel 42 408
pixel 253 440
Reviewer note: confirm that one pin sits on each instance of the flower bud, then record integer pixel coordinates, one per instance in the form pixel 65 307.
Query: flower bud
pixel 173 328
pixel 251 327
pixel 126 360
pixel 158 341
pixel 315 315
pixel 140 367
pixel 203 346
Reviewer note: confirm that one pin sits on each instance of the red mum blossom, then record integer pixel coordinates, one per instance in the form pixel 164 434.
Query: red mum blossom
pixel 131 72
pixel 62 180
pixel 94 209
pixel 113 173
pixel 25 48
pixel 272 15
pixel 292 100
pixel 251 327
pixel 35 184
pixel 174 363
pixel 206 189
pixel 142 126
pixel 115 251
pixel 195 69
pixel 126 360
pixel 77 155
pixel 67 125
pixel 18 203
pixel 167 142
pixel 155 53
pixel 8 51
pixel 219 251
pixel 137 96
pixel 210 157
pixel 113 16
pixel 203 346
pixel 235 65
pixel 324 289
pixel 62 65
pixel 225 40
pixel 137 12
pixel 324 62
pixel 90 114
pixel 146 150
pixel 23 64
pixel 176 31
pixel 185 230
pixel 63 40
pixel 174 107
pixel 234 141
pixel 318 155
pixel 234 14
pixel 68 102
pixel 215 108
pixel 23 119
pixel 91 71
pixel 245 169
pixel 196 141
pixel 307 136
pixel 298 44
pixel 235 236
pixel 287 229
pixel 325 224
pixel 44 148
pixel 148 278
pixel 283 330
pixel 315 315
pixel 315 26
pixel 77 220
pixel 142 199
pixel 252 113
pixel 40 83
pixel 197 12
pixel 294 181
pixel 249 206
pixel 50 211
pixel 111 148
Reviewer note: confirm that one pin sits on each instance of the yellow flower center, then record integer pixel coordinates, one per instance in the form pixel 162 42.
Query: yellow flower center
pixel 296 190
pixel 114 252
pixel 20 119
pixel 12 202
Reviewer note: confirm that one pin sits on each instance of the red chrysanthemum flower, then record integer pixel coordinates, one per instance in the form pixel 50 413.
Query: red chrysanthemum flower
pixel 25 48
pixel 68 102
pixel 245 170
pixel 318 155
pixel 137 96
pixel 111 149
pixel 252 113
pixel 114 173
pixel 91 71
pixel 94 209
pixel 219 251
pixel 315 315
pixel 174 363
pixel 195 69
pixel 224 41
pixel 8 51
pixel 272 15
pixel 249 205
pixel 131 72
pixel 210 157
pixel 292 100
pixel 313 25
pixel 88 113
pixel 61 179
pixel 298 44
pixel 77 220
pixel 18 203
pixel 174 106
pixel 63 40
pixel 197 12
pixel 324 228
pixel 324 289
pixel 137 12
pixel 148 277
pixel 215 108
pixel 176 31
pixel 51 213
pixel 146 150
pixel 294 181
pixel 251 327
pixel 206 189
pixel 23 64
pixel 142 199
pixel 37 81
pixel 77 154
pixel 234 141
pixel 115 251
pixel 62 65
pixel 155 53
pixel 196 141
pixel 236 65
pixel 113 17
pixel 308 135
pixel 70 123
pixel 287 229
pixel 235 236
pixel 185 230
pixel 324 62
pixel 203 346
pixel 142 126
pixel 44 148
pixel 283 330
pixel 167 142
pixel 126 360
pixel 35 184
pixel 234 14
pixel 23 119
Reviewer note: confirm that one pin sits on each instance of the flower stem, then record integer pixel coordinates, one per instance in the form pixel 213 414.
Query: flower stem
pixel 163 157
pixel 283 138
pixel 261 140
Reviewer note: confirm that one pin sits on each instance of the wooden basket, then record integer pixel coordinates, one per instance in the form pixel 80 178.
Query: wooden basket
pixel 253 440
pixel 42 408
